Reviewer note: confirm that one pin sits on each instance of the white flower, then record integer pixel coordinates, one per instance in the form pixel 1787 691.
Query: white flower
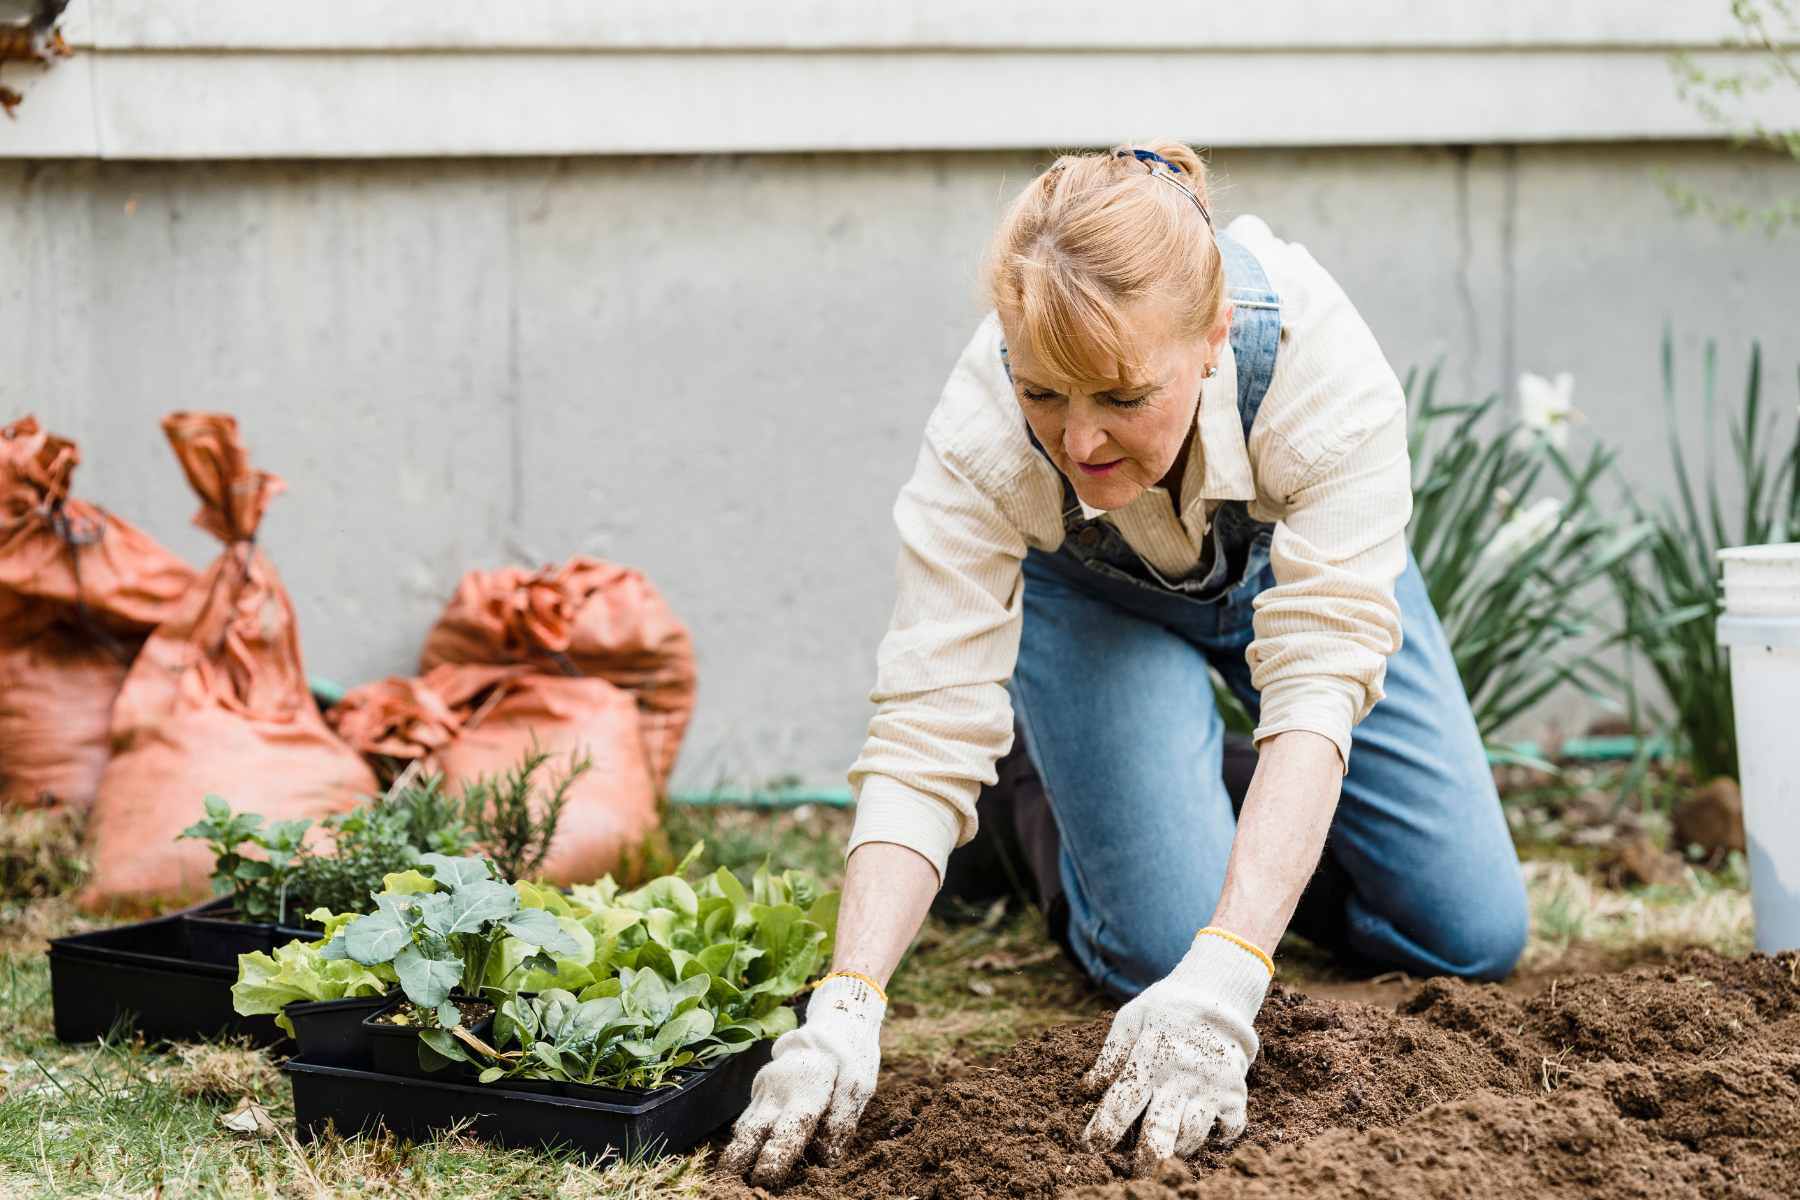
pixel 1547 406
pixel 1522 530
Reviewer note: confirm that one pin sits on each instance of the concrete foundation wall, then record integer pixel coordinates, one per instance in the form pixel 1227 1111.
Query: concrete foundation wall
pixel 717 369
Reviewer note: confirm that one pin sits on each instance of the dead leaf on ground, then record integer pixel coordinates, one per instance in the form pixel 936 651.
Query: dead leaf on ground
pixel 981 987
pixel 250 1118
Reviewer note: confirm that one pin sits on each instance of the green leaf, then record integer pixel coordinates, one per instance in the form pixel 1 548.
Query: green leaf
pixel 596 896
pixel 605 987
pixel 689 1026
pixel 790 965
pixel 666 891
pixel 654 959
pixel 474 904
pixel 688 859
pixel 426 981
pixel 456 872
pixel 824 914
pixel 439 1047
pixel 778 1021
pixel 732 890
pixel 376 938
pixel 716 958
pixel 449 1016
pixel 537 927
pixel 491 1074
pixel 532 895
pixel 407 883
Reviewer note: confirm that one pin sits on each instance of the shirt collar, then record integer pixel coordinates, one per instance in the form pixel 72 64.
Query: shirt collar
pixel 1218 466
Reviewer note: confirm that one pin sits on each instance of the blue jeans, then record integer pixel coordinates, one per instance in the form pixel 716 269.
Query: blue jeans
pixel 1113 695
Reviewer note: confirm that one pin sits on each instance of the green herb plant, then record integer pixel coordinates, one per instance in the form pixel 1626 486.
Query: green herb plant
pixel 510 821
pixel 259 887
pixel 368 844
pixel 433 820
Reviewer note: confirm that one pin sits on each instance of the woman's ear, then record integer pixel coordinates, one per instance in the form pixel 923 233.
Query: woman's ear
pixel 1215 340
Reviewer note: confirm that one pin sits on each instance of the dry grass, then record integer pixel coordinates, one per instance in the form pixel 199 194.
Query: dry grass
pixel 40 853
pixel 1570 912
pixel 219 1072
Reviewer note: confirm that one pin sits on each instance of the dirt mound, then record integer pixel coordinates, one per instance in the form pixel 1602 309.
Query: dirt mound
pixel 1678 1080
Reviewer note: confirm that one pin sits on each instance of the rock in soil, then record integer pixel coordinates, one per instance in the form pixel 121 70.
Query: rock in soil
pixel 1676 1080
pixel 1639 862
pixel 1711 818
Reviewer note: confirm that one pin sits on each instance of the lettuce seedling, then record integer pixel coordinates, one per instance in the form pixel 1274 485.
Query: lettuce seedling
pixel 299 971
pixel 441 941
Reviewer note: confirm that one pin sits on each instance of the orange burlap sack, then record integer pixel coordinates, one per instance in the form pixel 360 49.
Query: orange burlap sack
pixel 469 721
pixel 398 721
pixel 217 701
pixel 79 590
pixel 585 617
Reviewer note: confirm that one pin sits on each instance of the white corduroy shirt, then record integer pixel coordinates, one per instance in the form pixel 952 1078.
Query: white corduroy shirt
pixel 1326 461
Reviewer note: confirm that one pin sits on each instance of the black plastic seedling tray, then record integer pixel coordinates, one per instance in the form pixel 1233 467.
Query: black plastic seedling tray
pixel 331 1033
pixel 669 1120
pixel 141 977
pixel 218 936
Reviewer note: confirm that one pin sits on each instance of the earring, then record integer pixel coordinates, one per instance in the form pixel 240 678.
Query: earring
pixel 1211 370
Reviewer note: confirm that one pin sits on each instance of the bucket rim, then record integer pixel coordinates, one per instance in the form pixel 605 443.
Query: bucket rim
pixel 1776 552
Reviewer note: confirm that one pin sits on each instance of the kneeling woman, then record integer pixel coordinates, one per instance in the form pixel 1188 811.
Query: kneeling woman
pixel 1169 448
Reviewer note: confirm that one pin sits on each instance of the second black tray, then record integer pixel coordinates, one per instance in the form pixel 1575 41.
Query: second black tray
pixel 668 1120
pixel 140 977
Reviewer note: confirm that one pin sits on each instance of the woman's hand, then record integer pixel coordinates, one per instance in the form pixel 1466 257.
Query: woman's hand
pixel 822 1076
pixel 1178 1054
pixel 824 1072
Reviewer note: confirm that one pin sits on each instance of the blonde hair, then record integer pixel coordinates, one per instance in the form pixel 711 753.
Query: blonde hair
pixel 1095 234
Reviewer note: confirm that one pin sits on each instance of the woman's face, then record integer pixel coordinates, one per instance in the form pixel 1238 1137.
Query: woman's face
pixel 1114 441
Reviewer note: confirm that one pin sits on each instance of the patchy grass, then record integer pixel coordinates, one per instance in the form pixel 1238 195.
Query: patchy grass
pixel 1571 912
pixel 124 1120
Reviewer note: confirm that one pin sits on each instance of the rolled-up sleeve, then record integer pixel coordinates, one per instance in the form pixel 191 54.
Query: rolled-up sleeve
pixel 943 717
pixel 1334 463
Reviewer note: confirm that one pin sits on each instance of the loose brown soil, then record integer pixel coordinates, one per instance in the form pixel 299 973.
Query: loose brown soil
pixel 1681 1079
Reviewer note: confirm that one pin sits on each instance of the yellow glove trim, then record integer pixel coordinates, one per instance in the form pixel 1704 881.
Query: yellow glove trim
pixel 1233 938
pixel 877 986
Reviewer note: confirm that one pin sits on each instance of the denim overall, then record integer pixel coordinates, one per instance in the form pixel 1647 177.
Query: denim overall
pixel 1113 696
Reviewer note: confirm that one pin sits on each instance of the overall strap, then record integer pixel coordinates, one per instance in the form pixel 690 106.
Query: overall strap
pixel 1255 326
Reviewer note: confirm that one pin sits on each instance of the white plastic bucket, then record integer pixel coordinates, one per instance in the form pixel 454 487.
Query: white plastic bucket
pixel 1761 627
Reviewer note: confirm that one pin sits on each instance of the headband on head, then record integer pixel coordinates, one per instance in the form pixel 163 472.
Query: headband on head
pixel 1149 158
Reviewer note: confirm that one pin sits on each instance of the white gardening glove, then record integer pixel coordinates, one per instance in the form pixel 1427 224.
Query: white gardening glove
pixel 822 1075
pixel 1178 1053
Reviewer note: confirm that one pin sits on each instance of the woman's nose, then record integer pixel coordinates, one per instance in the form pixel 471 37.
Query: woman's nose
pixel 1081 439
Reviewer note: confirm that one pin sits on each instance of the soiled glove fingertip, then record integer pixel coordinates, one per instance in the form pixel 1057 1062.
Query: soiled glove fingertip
pixel 772 1172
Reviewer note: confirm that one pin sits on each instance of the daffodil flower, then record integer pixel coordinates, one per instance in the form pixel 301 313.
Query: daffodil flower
pixel 1546 406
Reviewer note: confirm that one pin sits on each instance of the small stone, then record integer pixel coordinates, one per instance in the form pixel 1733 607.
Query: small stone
pixel 1712 818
